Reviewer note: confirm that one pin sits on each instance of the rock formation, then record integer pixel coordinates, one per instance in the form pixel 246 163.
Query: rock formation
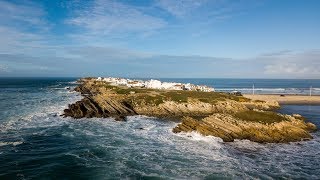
pixel 229 128
pixel 90 107
pixel 218 114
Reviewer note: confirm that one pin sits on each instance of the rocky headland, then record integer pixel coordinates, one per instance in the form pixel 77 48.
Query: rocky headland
pixel 209 113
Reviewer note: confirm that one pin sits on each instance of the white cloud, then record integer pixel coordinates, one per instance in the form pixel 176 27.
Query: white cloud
pixel 23 63
pixel 292 64
pixel 104 17
pixel 206 11
pixel 180 8
pixel 25 42
pixel 4 68
pixel 26 13
pixel 293 69
pixel 22 27
pixel 105 54
pixel 15 41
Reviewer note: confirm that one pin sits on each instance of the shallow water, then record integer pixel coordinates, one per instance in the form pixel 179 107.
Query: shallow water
pixel 36 143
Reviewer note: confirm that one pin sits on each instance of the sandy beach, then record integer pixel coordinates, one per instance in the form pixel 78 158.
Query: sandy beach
pixel 286 99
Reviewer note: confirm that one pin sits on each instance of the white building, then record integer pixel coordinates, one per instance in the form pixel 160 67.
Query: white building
pixel 153 84
pixel 205 88
pixel 122 82
pixel 167 85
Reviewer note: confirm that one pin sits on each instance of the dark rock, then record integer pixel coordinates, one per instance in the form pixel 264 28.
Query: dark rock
pixel 89 108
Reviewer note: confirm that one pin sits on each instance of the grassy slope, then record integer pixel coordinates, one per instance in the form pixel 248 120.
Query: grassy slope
pixel 261 117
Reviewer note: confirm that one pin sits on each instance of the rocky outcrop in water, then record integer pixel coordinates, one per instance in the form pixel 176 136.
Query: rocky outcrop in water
pixel 229 128
pixel 88 107
pixel 217 114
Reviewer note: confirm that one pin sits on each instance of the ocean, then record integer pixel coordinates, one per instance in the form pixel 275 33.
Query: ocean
pixel 37 143
pixel 261 86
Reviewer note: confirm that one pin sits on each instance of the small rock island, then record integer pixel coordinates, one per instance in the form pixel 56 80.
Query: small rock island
pixel 209 113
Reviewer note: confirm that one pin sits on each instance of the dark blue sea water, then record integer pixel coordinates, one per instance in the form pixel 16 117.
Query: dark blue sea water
pixel 261 86
pixel 36 143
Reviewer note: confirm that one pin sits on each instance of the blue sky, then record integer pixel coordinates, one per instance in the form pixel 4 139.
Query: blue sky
pixel 160 38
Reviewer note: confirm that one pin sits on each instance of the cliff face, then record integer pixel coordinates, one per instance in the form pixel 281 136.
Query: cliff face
pixel 222 115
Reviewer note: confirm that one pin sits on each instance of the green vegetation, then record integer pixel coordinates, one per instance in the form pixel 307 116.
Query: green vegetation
pixel 156 97
pixel 204 100
pixel 267 117
pixel 108 86
pixel 177 96
pixel 207 97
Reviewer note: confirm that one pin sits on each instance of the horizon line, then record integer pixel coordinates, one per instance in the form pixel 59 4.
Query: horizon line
pixel 2 77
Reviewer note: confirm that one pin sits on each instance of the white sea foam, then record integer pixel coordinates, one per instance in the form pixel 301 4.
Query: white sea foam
pixel 45 114
pixel 58 88
pixel 16 143
pixel 73 82
pixel 195 136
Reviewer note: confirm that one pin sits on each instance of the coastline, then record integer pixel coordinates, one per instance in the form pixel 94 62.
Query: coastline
pixel 288 99
pixel 218 114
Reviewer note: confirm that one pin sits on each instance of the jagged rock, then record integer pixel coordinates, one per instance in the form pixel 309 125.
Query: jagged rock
pixel 89 108
pixel 229 128
pixel 261 105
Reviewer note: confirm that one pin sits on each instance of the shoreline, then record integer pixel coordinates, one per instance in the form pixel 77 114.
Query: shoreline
pixel 286 99
pixel 221 115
